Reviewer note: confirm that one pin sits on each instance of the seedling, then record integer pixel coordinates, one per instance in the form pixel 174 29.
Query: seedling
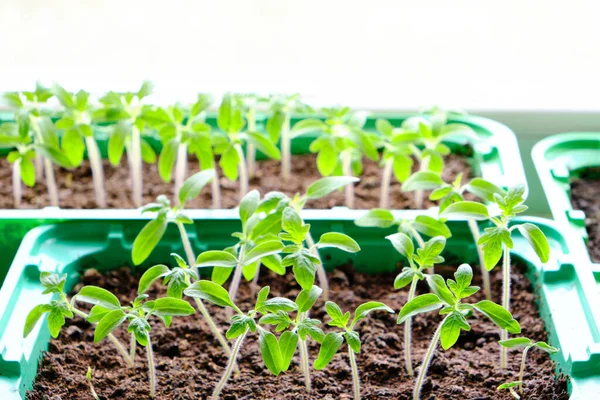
pixel 180 134
pixel 126 111
pixel 526 344
pixel 109 314
pixel 249 102
pixel 418 261
pixel 278 127
pixel 302 328
pixel 334 340
pixel 276 354
pixel 496 241
pixel 62 308
pixel 341 144
pixel 34 137
pixel 78 136
pixel 511 388
pixel 88 377
pixel 448 297
pixel 228 142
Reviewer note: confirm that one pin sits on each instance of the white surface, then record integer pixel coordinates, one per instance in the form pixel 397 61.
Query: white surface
pixel 480 55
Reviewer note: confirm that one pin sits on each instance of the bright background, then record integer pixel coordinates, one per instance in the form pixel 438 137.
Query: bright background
pixel 533 65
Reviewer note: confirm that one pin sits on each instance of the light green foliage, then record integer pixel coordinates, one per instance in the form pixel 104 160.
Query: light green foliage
pixel 425 257
pixel 422 224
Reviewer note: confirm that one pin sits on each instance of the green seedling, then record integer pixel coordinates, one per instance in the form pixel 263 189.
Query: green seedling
pixel 60 308
pixel 182 131
pixel 249 103
pixel 334 340
pixel 228 143
pixel 341 144
pixel 424 258
pixel 302 328
pixel 496 241
pixel 78 136
pixel 526 344
pixel 278 126
pixel 510 386
pixel 448 296
pixel 126 111
pixel 108 313
pixel 276 354
pixel 34 137
pixel 88 378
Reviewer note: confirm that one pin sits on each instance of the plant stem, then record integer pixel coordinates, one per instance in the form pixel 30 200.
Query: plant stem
pixel 39 166
pixel 384 200
pixel 485 275
pixel 187 246
pixel 408 331
pixel 51 182
pixel 514 394
pixel 303 349
pixel 230 365
pixel 97 170
pixel 16 183
pixel 427 360
pixel 136 165
pixel 151 369
pixel 310 242
pixel 216 189
pixel 355 378
pixel 243 171
pixel 419 194
pixel 92 390
pixel 347 171
pixel 286 149
pixel 250 149
pixel 505 302
pixel 522 370
pixel 180 169
pixel 132 347
pixel 237 274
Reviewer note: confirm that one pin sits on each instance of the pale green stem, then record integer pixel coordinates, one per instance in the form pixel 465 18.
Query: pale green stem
pixel 408 331
pixel 187 246
pixel 420 194
pixel 386 178
pixel 92 390
pixel 243 172
pixel 97 170
pixel 51 182
pixel 286 149
pixel 347 171
pixel 485 275
pixel 514 394
pixel 505 302
pixel 151 369
pixel 427 360
pixel 215 188
pixel 16 182
pixel 180 170
pixel 237 274
pixel 250 149
pixel 304 366
pixel 132 347
pixel 522 370
pixel 310 242
pixel 39 167
pixel 136 165
pixel 355 377
pixel 230 365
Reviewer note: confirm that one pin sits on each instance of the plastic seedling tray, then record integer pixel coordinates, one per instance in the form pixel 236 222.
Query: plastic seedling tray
pixel 558 159
pixel 567 295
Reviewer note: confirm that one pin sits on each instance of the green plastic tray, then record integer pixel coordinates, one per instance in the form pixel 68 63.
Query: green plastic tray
pixel 558 159
pixel 568 300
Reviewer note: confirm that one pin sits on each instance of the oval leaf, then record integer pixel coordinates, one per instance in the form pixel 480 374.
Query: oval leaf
pixel 109 323
pixel 194 185
pixel 339 241
pixel 324 186
pixel 420 304
pixel 466 209
pixel 216 258
pixel 147 240
pixel 98 296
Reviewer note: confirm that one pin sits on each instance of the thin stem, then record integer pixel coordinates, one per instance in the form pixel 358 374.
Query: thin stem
pixel 514 394
pixel 230 365
pixel 180 169
pixel 151 369
pixel 51 182
pixel 187 246
pixel 485 275
pixel 420 194
pixel 92 390
pixel 355 378
pixel 250 149
pixel 347 171
pixel 16 183
pixel 384 200
pixel 97 170
pixel 310 242
pixel 39 167
pixel 216 189
pixel 237 275
pixel 243 171
pixel 408 331
pixel 505 302
pixel 286 149
pixel 303 349
pixel 136 165
pixel 522 370
pixel 427 360
pixel 132 347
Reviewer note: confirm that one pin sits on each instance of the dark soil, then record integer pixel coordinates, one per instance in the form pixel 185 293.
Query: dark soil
pixel 190 363
pixel 77 191
pixel 585 196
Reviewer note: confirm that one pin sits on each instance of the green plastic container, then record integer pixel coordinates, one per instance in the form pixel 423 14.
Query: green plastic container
pixel 558 159
pixel 566 291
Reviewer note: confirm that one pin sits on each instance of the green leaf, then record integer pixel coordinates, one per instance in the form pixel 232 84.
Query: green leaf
pixel 516 342
pixel 52 282
pixel 238 327
pixel 438 287
pixel 334 311
pixel 65 98
pixel 56 320
pixel 307 298
pixel 271 353
pixel 353 340
pixel 306 126
pixel 145 90
pixel 73 146
pixel 230 159
pixel 402 243
pixel 537 240
pixel 172 307
pixel 404 278
pixel 141 329
pixel 193 185
pixel 431 227
pixel 27 171
pixel 327 159
pixel 324 186
pixel 430 253
pixel 420 304
pixel 264 145
pixel 364 309
pixel 510 385
pixel 151 275
pixel 33 317
pixel 221 274
pixel 262 250
pixel 224 115
pixel 498 315
pixel 216 258
pixel 55 155
pixel 384 127
pixel 261 297
pixel 147 240
pixel 330 345
pixel 339 241
pixel 466 210
pixel 304 268
pixel 546 347
pixel 96 314
pixel 210 291
pixel 310 327
pixel 279 303
pixel 273 262
pixel 402 167
pixel 294 226
pixel 109 323
pixel 167 159
pixel 424 180
pixel 491 244
pixel 484 189
pixel 378 218
pixel 148 154
pixel 450 329
pixel 287 344
pixel 98 296
pixel 116 142
pixel 248 205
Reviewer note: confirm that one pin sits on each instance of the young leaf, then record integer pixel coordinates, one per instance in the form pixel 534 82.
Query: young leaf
pixel 216 258
pixel 324 186
pixel 364 309
pixel 98 296
pixel 53 283
pixel 248 205
pixel 516 342
pixel 466 210
pixel 193 185
pixel 403 244
pixel 109 323
pixel 279 303
pixel 147 240
pixel 151 275
pixel 210 291
pixel 172 307
pixel 431 227
pixel 424 180
pixel 307 298
pixel 451 329
pixel 330 345
pixel 537 240
pixel 262 250
pixel 498 315
pixel 438 287
pixel 420 304
pixel 264 145
pixel 484 189
pixel 288 341
pixel 404 278
pixel 33 317
pixel 339 241
pixel 546 347
pixel 379 218
pixel 271 353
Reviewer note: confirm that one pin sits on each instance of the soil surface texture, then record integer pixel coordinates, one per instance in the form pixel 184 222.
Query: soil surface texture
pixel 585 196
pixel 76 188
pixel 190 362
